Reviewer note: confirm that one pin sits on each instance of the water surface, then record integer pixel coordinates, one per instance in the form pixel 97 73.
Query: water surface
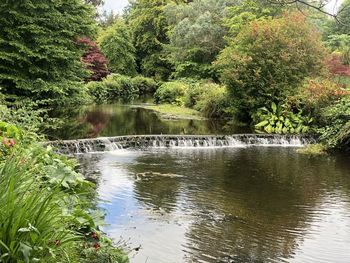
pixel 119 119
pixel 254 204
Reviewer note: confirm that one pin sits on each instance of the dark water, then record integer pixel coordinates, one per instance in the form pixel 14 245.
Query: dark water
pixel 255 204
pixel 119 119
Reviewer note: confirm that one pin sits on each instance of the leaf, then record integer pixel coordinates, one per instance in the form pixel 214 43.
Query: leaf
pixel 274 107
pixel 26 251
pixel 262 124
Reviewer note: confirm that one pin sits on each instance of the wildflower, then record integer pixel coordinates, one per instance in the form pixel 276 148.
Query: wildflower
pixel 8 142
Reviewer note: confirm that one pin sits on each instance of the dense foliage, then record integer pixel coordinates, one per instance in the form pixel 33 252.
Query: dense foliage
pixel 148 23
pixel 343 26
pixel 206 97
pixel 94 60
pixel 116 44
pixel 197 36
pixel 269 59
pixel 278 119
pixel 46 214
pixel 335 125
pixel 39 57
pixel 116 87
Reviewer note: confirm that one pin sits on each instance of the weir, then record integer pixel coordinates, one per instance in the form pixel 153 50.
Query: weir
pixel 104 144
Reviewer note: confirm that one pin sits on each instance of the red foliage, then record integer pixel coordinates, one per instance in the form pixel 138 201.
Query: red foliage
pixel 336 66
pixel 95 61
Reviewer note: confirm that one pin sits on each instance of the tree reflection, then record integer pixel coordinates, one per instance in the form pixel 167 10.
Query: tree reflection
pixel 247 205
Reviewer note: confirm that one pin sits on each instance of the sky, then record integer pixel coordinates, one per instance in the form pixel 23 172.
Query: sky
pixel 115 5
pixel 118 5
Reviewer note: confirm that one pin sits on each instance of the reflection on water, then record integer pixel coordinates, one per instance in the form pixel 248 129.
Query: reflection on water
pixel 117 119
pixel 226 205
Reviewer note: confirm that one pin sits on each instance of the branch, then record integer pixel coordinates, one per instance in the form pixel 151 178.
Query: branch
pixel 318 7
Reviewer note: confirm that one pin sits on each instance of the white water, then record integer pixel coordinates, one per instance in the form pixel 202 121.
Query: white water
pixel 174 141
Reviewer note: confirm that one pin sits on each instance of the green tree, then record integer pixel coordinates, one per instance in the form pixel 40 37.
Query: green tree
pixel 269 59
pixel 94 2
pixel 342 26
pixel 39 57
pixel 197 36
pixel 116 44
pixel 239 15
pixel 107 19
pixel 148 24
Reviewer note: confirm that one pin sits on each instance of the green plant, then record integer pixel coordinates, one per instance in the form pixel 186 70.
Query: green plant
pixel 33 225
pixel 208 98
pixel 46 210
pixel 144 85
pixel 116 45
pixel 98 91
pixel 40 58
pixel 268 60
pixel 277 120
pixel 149 28
pixel 116 87
pixel 172 92
pixel 334 125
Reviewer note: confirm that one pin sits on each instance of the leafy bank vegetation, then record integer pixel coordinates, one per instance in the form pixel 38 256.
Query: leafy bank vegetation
pixel 271 66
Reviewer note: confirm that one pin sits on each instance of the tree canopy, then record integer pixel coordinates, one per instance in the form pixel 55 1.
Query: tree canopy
pixel 116 44
pixel 148 23
pixel 269 59
pixel 197 35
pixel 39 56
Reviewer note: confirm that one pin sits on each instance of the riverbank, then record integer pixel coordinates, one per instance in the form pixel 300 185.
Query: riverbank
pixel 47 212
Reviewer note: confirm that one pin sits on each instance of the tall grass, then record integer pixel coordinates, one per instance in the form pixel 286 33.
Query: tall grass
pixel 33 225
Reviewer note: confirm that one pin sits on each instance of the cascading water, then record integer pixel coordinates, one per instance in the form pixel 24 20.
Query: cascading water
pixel 176 141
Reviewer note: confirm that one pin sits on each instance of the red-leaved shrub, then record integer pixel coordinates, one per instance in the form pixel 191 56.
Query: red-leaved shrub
pixel 94 60
pixel 337 67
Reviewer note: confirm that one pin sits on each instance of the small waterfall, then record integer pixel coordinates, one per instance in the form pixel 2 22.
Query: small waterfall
pixel 175 141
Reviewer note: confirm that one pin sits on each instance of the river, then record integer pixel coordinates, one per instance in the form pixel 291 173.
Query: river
pixel 234 204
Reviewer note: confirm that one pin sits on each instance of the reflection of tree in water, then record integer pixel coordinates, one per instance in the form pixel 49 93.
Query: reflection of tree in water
pixel 98 120
pixel 268 205
pixel 114 120
pixel 248 205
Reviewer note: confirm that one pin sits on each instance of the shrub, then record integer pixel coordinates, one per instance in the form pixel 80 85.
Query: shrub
pixel 172 92
pixel 316 94
pixel 121 87
pixel 208 98
pixel 337 66
pixel 320 93
pixel 268 60
pixel 98 91
pixel 335 125
pixel 94 60
pixel 116 87
pixel 144 85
